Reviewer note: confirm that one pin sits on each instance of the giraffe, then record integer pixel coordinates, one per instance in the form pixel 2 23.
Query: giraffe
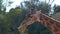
pixel 48 22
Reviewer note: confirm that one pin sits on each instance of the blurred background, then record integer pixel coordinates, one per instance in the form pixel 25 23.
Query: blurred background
pixel 13 12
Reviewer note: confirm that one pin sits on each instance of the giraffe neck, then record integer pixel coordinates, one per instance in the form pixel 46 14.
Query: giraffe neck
pixel 45 20
pixel 50 23
pixel 22 28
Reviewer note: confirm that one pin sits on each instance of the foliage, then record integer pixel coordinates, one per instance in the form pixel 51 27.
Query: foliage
pixel 38 28
pixel 56 9
pixel 37 5
pixel 9 21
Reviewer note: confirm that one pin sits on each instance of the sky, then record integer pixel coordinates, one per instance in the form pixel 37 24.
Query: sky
pixel 17 2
